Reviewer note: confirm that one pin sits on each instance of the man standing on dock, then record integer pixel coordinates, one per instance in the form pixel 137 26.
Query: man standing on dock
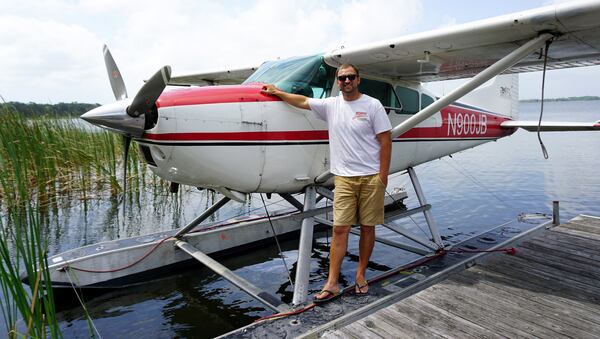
pixel 360 151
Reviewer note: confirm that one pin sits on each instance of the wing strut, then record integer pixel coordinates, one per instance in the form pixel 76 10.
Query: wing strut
pixel 490 72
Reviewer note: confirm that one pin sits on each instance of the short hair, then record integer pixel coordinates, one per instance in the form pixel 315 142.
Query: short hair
pixel 347 66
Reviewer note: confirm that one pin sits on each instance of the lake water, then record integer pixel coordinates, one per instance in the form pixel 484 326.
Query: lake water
pixel 471 192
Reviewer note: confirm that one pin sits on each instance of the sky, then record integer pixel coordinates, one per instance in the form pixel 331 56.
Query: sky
pixel 51 50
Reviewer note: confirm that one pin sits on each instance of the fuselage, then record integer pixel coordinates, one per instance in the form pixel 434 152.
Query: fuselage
pixel 238 138
pixel 235 138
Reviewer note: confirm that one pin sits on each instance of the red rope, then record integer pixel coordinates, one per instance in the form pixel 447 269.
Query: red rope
pixel 287 314
pixel 120 268
pixel 160 242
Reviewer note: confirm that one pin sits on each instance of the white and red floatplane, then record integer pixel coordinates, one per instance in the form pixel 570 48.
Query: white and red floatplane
pixel 223 134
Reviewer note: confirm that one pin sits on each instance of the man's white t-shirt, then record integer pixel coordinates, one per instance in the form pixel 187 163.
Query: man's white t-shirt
pixel 353 128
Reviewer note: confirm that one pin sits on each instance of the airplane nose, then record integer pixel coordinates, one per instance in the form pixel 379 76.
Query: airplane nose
pixel 115 118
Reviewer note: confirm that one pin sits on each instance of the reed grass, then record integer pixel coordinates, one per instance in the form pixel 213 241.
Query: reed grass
pixel 23 248
pixel 42 161
pixel 61 157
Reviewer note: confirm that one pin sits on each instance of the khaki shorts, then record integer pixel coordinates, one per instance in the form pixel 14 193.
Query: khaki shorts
pixel 358 199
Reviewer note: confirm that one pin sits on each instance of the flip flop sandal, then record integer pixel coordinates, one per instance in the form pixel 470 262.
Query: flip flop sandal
pixel 330 296
pixel 358 288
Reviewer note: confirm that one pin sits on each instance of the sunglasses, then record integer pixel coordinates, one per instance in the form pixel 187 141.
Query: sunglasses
pixel 343 78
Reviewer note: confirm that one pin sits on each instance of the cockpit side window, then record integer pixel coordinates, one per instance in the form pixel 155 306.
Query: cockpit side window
pixel 382 91
pixel 426 100
pixel 322 82
pixel 409 99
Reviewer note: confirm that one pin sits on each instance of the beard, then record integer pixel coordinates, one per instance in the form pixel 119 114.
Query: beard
pixel 350 88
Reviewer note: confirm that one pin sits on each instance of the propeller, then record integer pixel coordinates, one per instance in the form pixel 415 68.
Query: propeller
pixel 146 98
pixel 114 76
pixel 143 102
pixel 120 91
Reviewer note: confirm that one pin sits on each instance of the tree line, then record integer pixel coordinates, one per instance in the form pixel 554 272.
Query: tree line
pixel 33 109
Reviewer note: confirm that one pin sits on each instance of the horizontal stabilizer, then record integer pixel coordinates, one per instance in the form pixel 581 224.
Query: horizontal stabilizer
pixel 552 126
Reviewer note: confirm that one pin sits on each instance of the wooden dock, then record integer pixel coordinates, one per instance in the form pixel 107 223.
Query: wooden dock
pixel 549 289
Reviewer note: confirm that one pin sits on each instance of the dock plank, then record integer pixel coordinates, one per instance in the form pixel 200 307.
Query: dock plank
pixel 385 324
pixel 573 280
pixel 382 326
pixel 440 321
pixel 571 252
pixel 535 282
pixel 356 331
pixel 541 294
pixel 408 328
pixel 474 312
pixel 551 317
pixel 360 330
pixel 505 311
pixel 567 264
pixel 578 232
pixel 568 249
pixel 586 226
pixel 559 238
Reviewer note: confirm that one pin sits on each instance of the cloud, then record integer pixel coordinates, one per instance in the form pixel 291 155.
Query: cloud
pixel 369 21
pixel 55 46
pixel 41 58
pixel 51 49
pixel 193 38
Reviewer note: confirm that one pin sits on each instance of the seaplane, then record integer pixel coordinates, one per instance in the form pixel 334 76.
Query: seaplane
pixel 216 130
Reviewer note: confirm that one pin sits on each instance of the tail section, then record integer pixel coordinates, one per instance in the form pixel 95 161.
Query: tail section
pixel 500 96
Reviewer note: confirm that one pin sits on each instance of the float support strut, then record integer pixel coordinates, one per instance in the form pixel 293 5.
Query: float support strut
pixel 305 249
pixel 427 212
pixel 209 211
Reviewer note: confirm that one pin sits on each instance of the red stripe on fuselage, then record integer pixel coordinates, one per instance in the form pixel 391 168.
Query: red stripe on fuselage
pixel 241 136
pixel 492 130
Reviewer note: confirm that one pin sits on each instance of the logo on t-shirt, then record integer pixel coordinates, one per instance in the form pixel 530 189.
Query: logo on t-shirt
pixel 360 116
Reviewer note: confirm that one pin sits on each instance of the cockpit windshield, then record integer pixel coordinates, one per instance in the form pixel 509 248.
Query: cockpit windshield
pixel 309 76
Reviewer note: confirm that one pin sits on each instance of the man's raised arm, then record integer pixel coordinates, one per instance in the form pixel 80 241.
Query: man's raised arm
pixel 295 100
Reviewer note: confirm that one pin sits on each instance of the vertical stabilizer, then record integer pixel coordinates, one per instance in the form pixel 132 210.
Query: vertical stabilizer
pixel 500 96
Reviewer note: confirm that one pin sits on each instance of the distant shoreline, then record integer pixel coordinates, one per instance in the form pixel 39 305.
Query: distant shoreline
pixel 583 98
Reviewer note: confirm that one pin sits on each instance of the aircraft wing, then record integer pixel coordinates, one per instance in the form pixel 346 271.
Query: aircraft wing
pixel 552 126
pixel 465 50
pixel 219 77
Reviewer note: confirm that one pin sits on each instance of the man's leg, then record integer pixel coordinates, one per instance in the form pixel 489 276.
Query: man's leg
pixel 337 252
pixel 371 207
pixel 365 248
pixel 344 214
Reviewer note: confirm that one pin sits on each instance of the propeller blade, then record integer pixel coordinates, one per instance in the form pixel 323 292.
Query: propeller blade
pixel 145 99
pixel 126 143
pixel 114 76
